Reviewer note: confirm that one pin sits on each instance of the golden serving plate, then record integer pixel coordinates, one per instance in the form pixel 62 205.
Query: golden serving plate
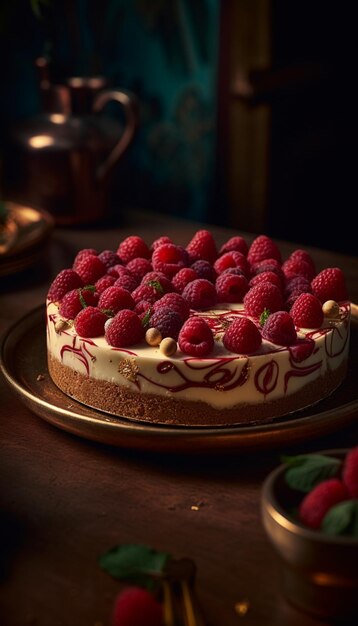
pixel 24 365
pixel 23 237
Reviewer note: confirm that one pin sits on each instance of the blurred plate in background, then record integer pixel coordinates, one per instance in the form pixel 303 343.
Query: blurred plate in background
pixel 23 237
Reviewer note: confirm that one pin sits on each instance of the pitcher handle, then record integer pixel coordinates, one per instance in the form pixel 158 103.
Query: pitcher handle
pixel 129 104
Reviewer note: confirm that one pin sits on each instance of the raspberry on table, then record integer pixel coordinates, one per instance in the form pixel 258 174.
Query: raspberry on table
pixel 159 242
pixel 297 266
pixel 267 265
pixel 350 472
pixel 266 277
pixel 143 307
pixel 231 287
pixel 125 329
pixel 118 270
pixel 126 281
pixel 204 269
pixel 152 275
pixel 133 247
pixel 169 259
pixel 330 284
pixel 202 246
pixel 183 277
pixel 81 254
pixel 175 302
pixel 304 256
pixel 167 321
pixel 298 284
pixel 65 281
pixel 114 299
pixel 90 268
pixel 76 300
pixel 139 267
pixel 90 322
pixel 235 243
pixel 200 294
pixel 291 299
pixel 263 247
pixel 262 296
pixel 109 258
pixel 150 292
pixel 135 606
pixel 104 282
pixel 242 336
pixel 233 270
pixel 294 288
pixel 231 259
pixel 320 500
pixel 280 329
pixel 306 311
pixel 159 279
pixel 196 337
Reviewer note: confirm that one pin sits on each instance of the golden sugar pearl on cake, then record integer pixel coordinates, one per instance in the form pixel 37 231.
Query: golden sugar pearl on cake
pixel 330 309
pixel 168 346
pixel 153 337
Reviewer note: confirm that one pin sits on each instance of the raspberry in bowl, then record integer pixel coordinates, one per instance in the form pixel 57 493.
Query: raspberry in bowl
pixel 309 510
pixel 236 340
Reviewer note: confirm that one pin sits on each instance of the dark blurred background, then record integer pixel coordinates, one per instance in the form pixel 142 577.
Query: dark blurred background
pixel 247 114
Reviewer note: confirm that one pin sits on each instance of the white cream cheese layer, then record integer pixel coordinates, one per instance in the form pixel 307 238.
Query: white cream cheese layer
pixel 223 379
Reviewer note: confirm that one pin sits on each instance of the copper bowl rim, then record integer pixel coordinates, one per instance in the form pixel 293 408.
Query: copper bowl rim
pixel 283 519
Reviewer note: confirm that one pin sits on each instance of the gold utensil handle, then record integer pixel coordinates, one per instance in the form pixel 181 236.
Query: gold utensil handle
pixel 180 604
pixel 168 605
pixel 192 616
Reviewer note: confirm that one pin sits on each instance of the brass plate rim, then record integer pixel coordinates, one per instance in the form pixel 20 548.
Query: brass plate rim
pixel 101 427
pixel 27 251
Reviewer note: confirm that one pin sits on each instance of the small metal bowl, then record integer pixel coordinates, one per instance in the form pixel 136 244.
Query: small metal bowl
pixel 319 572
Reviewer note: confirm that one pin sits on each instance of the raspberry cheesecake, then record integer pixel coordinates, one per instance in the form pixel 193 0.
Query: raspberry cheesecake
pixel 197 335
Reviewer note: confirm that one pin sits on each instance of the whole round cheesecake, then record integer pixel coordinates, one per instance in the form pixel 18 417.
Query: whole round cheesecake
pixel 197 336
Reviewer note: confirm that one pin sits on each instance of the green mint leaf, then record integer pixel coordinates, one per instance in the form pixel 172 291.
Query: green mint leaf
pixel 81 290
pixel 146 318
pixel 108 312
pixel 342 519
pixel 82 300
pixel 156 285
pixel 264 315
pixel 307 470
pixel 134 563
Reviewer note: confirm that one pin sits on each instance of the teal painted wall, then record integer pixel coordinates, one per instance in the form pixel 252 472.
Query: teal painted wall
pixel 165 52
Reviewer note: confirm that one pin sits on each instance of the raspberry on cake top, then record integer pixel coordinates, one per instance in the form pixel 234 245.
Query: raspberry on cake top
pixel 197 335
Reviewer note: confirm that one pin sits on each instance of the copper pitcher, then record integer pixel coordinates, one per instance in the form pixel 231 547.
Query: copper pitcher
pixel 62 159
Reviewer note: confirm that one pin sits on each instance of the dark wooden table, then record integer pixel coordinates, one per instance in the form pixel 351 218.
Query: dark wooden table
pixel 65 500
